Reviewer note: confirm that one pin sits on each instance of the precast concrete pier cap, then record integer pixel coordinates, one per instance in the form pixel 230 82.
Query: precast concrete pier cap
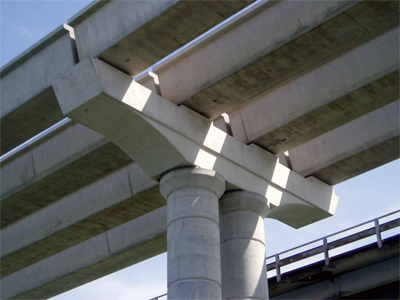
pixel 243 267
pixel 193 241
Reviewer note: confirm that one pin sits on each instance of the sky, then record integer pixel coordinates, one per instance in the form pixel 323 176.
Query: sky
pixel 370 195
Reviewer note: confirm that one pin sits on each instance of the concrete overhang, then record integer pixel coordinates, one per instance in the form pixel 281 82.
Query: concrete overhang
pixel 159 136
pixel 28 103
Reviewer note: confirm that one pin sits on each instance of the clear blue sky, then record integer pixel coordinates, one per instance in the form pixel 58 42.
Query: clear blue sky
pixel 370 195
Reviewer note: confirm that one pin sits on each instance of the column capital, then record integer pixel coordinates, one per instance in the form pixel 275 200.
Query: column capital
pixel 191 177
pixel 244 201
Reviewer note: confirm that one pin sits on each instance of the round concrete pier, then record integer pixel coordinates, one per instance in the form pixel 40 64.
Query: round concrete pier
pixel 194 265
pixel 243 245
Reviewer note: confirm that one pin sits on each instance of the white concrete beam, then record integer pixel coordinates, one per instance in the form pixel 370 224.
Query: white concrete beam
pixel 105 28
pixel 256 51
pixel 66 161
pixel 133 35
pixel 101 255
pixel 109 202
pixel 159 136
pixel 361 145
pixel 28 103
pixel 329 96
pixel 316 158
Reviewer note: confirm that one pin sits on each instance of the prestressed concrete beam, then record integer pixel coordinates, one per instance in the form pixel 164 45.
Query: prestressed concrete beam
pixel 66 161
pixel 159 136
pixel 356 147
pixel 137 35
pixel 109 202
pixel 101 255
pixel 133 35
pixel 319 156
pixel 352 85
pixel 28 103
pixel 256 52
pixel 53 163
pixel 372 12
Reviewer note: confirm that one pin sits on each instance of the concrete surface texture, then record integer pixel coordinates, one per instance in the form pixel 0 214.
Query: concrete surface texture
pixel 133 35
pixel 355 83
pixel 63 163
pixel 372 140
pixel 183 138
pixel 94 209
pixel 243 268
pixel 321 90
pixel 127 244
pixel 27 111
pixel 194 264
pixel 233 67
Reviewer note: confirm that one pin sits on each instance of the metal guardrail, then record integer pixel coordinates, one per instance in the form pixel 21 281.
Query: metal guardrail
pixel 376 230
pixel 158 297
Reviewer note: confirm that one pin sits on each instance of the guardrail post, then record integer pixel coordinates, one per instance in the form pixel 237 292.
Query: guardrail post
pixel 326 251
pixel 378 233
pixel 278 268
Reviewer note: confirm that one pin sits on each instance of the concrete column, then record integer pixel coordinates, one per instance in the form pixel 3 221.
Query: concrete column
pixel 243 267
pixel 194 265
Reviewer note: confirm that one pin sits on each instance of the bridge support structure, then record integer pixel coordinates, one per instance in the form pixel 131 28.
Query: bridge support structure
pixel 193 240
pixel 244 274
pixel 195 162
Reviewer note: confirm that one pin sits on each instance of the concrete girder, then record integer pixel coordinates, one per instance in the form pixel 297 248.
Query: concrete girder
pixel 327 97
pixel 233 66
pixel 56 165
pixel 101 255
pixel 27 111
pixel 330 28
pixel 140 35
pixel 354 148
pixel 66 161
pixel 376 129
pixel 111 201
pixel 136 120
pixel 372 12
pixel 133 35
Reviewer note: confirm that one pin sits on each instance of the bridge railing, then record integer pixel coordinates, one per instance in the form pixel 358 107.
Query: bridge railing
pixel 375 227
pixel 163 296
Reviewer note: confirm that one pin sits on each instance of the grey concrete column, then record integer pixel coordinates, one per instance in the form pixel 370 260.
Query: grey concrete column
pixel 194 265
pixel 243 267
